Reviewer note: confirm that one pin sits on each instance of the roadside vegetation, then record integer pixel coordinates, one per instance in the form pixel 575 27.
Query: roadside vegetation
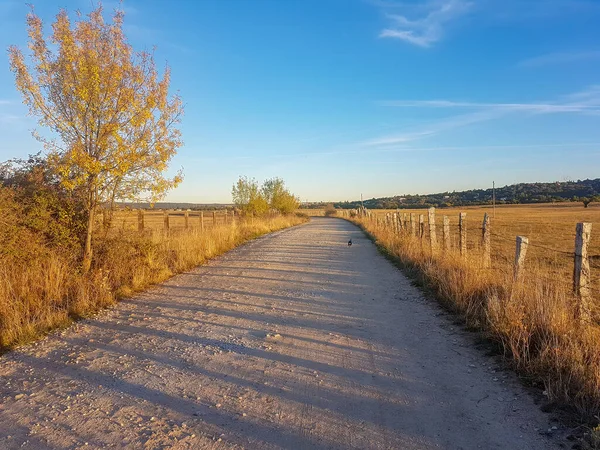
pixel 532 318
pixel 272 197
pixel 42 237
pixel 111 129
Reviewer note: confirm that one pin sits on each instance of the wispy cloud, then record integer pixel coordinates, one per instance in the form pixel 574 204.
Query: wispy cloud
pixel 427 23
pixel 583 102
pixel 586 101
pixel 433 128
pixel 423 23
pixel 560 58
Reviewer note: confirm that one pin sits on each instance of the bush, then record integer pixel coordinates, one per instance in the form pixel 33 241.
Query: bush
pixel 330 210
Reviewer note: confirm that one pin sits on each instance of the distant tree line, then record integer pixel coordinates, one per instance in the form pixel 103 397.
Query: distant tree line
pixel 585 191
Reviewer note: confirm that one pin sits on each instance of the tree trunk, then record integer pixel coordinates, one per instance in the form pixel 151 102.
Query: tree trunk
pixel 87 251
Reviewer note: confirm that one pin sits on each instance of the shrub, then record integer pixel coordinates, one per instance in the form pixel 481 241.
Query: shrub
pixel 330 210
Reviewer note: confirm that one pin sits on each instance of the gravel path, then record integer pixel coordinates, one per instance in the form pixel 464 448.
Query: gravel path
pixel 294 340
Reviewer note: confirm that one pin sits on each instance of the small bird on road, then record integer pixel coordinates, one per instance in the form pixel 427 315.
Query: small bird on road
pixel 349 242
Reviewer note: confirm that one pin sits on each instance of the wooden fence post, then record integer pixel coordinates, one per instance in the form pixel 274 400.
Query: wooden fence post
pixel 462 230
pixel 486 242
pixel 140 220
pixel 421 225
pixel 446 232
pixel 225 216
pixel 581 273
pixel 201 221
pixel 214 219
pixel 413 224
pixel 166 220
pixel 186 217
pixel 520 252
pixel 432 234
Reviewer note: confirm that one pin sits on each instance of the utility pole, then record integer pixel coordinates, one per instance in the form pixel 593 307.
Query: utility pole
pixel 494 197
pixel 362 206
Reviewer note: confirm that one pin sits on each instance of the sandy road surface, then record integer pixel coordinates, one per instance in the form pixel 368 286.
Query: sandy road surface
pixel 292 341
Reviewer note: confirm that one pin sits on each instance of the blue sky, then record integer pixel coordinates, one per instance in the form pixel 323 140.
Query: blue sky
pixel 343 97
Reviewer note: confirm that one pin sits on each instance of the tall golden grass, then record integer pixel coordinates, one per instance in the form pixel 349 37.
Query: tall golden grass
pixel 532 319
pixel 47 292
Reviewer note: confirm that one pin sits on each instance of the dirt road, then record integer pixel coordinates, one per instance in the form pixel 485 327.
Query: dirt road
pixel 294 341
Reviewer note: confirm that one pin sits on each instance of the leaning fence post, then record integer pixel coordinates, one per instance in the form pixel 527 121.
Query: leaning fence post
pixel 421 226
pixel 432 235
pixel 446 231
pixel 201 221
pixel 166 220
pixel 214 219
pixel 462 230
pixel 581 273
pixel 140 220
pixel 413 224
pixel 520 252
pixel 186 217
pixel 486 242
pixel 225 216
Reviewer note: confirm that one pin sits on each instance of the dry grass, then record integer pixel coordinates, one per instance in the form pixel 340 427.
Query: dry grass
pixel 154 219
pixel 550 229
pixel 533 319
pixel 48 292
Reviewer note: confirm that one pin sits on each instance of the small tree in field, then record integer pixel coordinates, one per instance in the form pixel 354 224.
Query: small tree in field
pixel 115 123
pixel 248 196
pixel 279 197
pixel 587 200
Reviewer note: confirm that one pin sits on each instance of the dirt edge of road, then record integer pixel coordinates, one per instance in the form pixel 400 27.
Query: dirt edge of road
pixel 575 429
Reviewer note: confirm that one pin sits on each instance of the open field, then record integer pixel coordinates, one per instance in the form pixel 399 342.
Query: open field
pixel 154 219
pixel 536 318
pixel 550 229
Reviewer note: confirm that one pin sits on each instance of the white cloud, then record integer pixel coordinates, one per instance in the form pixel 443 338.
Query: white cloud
pixel 433 128
pixel 429 27
pixel 583 102
pixel 586 101
pixel 560 58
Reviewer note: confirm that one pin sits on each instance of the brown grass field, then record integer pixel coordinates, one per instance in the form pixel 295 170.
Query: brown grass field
pixel 154 219
pixel 550 229
pixel 50 291
pixel 534 318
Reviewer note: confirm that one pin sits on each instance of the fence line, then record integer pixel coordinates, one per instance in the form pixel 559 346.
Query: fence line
pixel 403 224
pixel 165 220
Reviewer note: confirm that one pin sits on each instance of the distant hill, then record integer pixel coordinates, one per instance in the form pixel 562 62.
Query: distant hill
pixel 580 190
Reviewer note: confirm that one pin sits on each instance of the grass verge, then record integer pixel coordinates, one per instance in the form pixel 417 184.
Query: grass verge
pixel 47 292
pixel 531 319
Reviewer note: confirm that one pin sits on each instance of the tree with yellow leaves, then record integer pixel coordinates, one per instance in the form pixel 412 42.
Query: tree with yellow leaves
pixel 114 125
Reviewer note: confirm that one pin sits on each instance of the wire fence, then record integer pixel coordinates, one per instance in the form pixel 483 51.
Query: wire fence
pixel 157 220
pixel 502 246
